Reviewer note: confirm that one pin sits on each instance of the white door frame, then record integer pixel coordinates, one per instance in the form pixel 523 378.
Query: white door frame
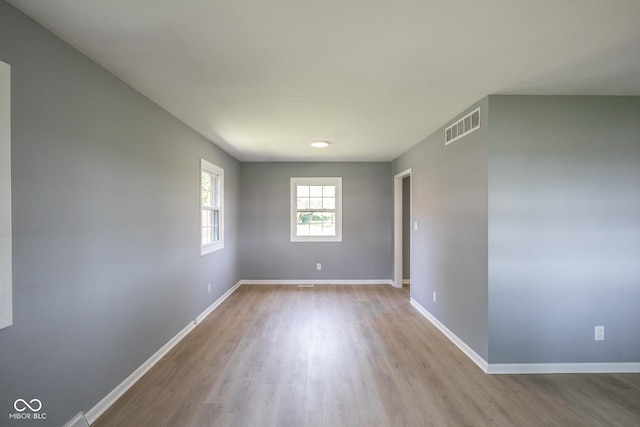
pixel 397 225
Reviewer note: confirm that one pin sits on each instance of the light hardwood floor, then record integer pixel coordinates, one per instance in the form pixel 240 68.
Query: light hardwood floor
pixel 351 356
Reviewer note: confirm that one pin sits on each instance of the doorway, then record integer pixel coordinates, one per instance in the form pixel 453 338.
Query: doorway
pixel 402 228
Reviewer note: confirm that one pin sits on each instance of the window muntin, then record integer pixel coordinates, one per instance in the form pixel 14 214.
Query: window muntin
pixel 211 207
pixel 316 209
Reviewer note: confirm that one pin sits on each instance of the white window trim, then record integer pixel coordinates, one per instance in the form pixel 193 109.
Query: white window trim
pixel 293 219
pixel 6 301
pixel 206 166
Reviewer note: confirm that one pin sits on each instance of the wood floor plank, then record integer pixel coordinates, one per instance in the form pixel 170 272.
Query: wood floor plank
pixel 338 355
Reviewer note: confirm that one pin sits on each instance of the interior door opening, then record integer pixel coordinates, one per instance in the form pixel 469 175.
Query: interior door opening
pixel 402 220
pixel 406 231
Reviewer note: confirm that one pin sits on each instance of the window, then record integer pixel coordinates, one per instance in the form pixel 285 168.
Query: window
pixel 6 317
pixel 316 209
pixel 211 207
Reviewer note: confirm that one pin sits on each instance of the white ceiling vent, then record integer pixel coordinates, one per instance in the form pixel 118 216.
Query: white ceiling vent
pixel 462 127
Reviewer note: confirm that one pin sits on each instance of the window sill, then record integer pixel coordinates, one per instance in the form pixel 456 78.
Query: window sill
pixel 204 250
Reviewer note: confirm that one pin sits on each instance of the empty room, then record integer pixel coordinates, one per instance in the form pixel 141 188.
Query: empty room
pixel 296 213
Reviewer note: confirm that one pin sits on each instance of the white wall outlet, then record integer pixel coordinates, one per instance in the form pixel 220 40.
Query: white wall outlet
pixel 209 288
pixel 599 333
pixel 434 296
pixel 319 266
pixel 415 225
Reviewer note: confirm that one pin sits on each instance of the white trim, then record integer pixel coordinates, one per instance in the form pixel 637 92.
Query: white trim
pixel 406 282
pixel 475 357
pixel 216 303
pixel 293 213
pixel 397 225
pixel 563 368
pixel 319 282
pixel 78 421
pixel 6 285
pixel 527 368
pixel 94 413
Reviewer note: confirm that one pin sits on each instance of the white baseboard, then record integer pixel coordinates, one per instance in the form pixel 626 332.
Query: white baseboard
pixel 563 368
pixel 94 413
pixel 78 421
pixel 216 303
pixel 528 368
pixel 471 354
pixel 319 282
pixel 125 385
pixel 406 282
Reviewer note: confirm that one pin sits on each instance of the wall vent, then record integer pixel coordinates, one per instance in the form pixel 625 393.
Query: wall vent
pixel 462 127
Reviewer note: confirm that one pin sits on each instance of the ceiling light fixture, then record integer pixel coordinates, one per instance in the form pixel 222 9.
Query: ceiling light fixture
pixel 319 144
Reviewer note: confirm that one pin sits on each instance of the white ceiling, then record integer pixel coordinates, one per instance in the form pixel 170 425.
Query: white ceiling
pixel 264 78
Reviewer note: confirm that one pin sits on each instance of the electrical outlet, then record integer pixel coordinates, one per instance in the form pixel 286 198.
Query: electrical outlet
pixel 319 266
pixel 599 335
pixel 434 296
pixel 415 226
pixel 209 288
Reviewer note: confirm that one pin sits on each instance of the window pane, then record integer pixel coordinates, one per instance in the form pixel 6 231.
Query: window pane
pixel 329 203
pixel 303 191
pixel 303 203
pixel 315 229
pixel 210 226
pixel 206 181
pixel 206 189
pixel 304 218
pixel 329 218
pixel 329 229
pixel 315 203
pixel 315 191
pixel 329 191
pixel 215 225
pixel 210 189
pixel 316 224
pixel 206 235
pixel 303 229
pixel 215 217
pixel 215 190
pixel 206 218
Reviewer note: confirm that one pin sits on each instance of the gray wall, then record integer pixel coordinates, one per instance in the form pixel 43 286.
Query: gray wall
pixel 564 229
pixel 529 229
pixel 106 261
pixel 449 249
pixel 366 250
